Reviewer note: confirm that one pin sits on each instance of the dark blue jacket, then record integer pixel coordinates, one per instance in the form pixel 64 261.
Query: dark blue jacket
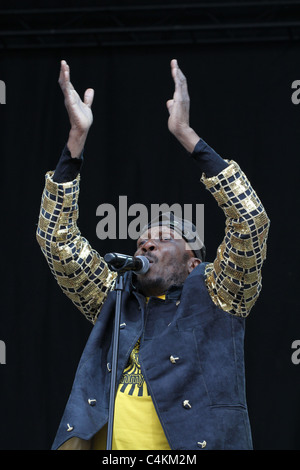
pixel 199 398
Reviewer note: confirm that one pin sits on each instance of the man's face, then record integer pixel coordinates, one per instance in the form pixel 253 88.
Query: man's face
pixel 170 260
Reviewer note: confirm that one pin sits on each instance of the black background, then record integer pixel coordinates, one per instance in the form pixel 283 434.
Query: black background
pixel 241 105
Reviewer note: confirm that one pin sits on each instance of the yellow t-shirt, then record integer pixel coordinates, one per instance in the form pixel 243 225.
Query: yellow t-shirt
pixel 136 424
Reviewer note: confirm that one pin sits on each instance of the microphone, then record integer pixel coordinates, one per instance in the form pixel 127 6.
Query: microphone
pixel 137 264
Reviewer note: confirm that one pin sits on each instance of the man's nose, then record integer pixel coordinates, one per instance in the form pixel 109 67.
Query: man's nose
pixel 149 245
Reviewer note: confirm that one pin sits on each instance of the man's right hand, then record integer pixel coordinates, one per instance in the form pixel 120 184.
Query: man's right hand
pixel 80 113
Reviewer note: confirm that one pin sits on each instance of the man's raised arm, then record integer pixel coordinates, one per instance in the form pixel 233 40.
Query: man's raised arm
pixel 234 279
pixel 79 270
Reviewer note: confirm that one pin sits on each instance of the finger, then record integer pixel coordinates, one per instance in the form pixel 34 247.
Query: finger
pixel 178 76
pixel 174 63
pixel 174 67
pixel 169 105
pixel 89 97
pixel 63 69
pixel 64 77
pixel 60 74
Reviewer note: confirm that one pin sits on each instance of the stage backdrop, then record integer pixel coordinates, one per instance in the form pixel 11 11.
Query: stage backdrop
pixel 241 104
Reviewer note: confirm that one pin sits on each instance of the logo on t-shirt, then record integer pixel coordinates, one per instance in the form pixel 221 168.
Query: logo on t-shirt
pixel 132 381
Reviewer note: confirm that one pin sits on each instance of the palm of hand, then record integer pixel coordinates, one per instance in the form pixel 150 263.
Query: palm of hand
pixel 80 113
pixel 179 106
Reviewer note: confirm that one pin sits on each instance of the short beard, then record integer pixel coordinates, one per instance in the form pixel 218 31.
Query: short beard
pixel 158 286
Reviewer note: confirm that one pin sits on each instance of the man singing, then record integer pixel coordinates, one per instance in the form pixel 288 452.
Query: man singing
pixel 181 378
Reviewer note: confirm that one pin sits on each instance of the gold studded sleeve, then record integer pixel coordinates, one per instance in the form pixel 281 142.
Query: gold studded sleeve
pixel 79 270
pixel 234 279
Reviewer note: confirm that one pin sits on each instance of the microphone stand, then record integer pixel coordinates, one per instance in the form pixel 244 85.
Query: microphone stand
pixel 113 382
pixel 110 259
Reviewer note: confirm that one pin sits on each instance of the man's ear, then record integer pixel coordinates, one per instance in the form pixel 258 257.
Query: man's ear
pixel 192 263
